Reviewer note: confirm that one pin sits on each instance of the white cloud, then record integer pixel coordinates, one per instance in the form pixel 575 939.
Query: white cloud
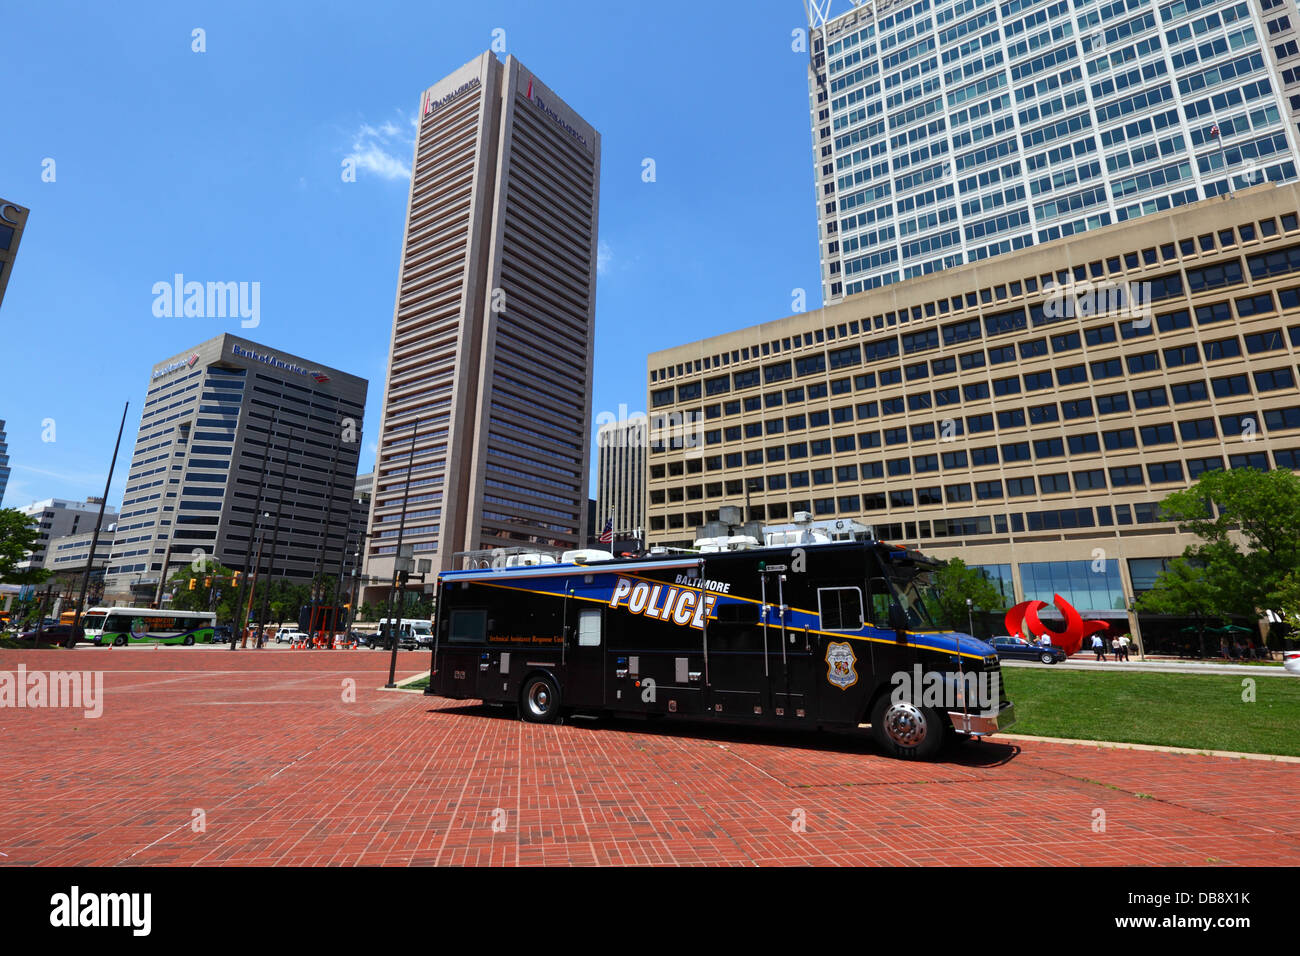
pixel 383 150
pixel 604 255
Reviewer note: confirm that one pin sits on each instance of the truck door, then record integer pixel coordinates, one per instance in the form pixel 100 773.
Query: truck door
pixel 584 654
pixel 786 659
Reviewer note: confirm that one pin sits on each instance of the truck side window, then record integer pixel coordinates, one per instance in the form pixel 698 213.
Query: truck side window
pixel 589 628
pixel 840 608
pixel 882 600
pixel 468 627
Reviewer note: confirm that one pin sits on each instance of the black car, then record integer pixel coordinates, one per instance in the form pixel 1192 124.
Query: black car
pixel 64 634
pixel 222 633
pixel 1019 649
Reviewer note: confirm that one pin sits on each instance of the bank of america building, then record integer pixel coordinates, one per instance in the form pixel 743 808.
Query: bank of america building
pixel 1000 412
pixel 949 131
pixel 211 417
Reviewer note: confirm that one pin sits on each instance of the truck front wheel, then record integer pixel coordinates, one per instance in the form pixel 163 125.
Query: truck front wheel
pixel 906 730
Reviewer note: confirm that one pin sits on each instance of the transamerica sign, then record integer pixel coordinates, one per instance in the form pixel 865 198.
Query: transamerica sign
pixel 434 104
pixel 556 118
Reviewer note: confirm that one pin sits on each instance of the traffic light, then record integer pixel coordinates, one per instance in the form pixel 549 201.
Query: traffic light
pixel 191 584
pixel 235 579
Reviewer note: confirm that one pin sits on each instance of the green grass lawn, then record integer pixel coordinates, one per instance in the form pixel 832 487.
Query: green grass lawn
pixel 1202 711
pixel 1205 712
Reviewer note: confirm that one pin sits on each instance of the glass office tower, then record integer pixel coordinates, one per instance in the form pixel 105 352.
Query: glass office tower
pixel 949 131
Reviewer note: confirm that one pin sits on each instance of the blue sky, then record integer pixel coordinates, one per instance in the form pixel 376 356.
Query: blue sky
pixel 226 165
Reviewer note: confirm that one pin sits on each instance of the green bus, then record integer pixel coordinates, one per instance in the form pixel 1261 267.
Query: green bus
pixel 122 626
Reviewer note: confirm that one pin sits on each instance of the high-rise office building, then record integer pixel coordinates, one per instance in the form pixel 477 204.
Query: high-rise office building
pixel 216 418
pixel 620 477
pixel 1026 414
pixel 13 220
pixel 4 462
pixel 491 357
pixel 949 131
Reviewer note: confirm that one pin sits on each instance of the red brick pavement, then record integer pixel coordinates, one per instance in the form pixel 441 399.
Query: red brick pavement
pixel 286 772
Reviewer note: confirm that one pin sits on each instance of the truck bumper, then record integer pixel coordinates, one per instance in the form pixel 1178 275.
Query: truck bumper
pixel 978 724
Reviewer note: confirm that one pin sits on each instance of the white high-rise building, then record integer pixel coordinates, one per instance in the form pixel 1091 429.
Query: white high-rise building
pixel 949 131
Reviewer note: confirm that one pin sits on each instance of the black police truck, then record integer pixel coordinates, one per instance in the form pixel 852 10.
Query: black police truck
pixel 828 635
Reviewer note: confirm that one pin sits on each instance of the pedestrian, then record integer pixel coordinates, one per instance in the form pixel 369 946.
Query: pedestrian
pixel 1123 646
pixel 1098 647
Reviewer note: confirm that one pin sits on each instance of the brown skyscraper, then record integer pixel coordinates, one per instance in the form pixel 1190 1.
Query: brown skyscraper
pixel 491 356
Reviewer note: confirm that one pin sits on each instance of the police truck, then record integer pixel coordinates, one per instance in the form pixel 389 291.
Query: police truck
pixel 835 634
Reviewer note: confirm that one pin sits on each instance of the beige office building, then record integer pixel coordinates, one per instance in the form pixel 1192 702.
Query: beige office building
pixel 491 356
pixel 1026 413
pixel 620 477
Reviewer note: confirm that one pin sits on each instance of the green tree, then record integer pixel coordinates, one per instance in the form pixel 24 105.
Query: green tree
pixel 1249 525
pixel 955 582
pixel 18 536
pixel 214 590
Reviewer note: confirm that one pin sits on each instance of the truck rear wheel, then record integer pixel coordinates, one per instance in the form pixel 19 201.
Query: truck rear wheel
pixel 539 701
pixel 906 730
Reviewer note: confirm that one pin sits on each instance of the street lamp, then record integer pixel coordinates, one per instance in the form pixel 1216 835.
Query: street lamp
pixel 970 617
pixel 402 572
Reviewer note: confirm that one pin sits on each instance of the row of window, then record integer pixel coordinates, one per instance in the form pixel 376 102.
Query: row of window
pixel 993 489
pixel 1270 263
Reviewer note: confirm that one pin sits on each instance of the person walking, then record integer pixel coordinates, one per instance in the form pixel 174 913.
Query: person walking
pixel 1123 647
pixel 1098 647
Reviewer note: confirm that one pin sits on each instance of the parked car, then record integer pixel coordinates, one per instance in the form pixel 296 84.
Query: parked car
pixel 289 635
pixel 1291 661
pixel 1019 649
pixel 222 633
pixel 55 634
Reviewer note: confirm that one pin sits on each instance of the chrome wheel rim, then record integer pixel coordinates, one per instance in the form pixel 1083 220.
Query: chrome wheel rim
pixel 539 699
pixel 905 725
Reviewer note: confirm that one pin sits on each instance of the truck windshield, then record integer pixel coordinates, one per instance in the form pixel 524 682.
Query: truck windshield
pixel 920 602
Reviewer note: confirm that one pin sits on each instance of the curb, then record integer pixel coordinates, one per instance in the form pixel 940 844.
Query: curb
pixel 1113 745
pixel 401 684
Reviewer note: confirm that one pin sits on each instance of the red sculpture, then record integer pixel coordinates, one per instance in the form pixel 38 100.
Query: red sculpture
pixel 1023 620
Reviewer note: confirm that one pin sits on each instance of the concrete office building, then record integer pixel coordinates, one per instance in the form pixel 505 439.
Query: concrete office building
pixel 13 220
pixel 620 477
pixel 57 518
pixel 491 356
pixel 68 557
pixel 71 553
pixel 5 470
pixel 212 415
pixel 949 131
pixel 997 413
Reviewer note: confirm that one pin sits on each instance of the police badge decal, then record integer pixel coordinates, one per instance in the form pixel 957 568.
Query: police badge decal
pixel 839 665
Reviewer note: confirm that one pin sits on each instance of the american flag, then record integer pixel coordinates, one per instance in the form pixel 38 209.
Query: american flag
pixel 607 536
pixel 1214 131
